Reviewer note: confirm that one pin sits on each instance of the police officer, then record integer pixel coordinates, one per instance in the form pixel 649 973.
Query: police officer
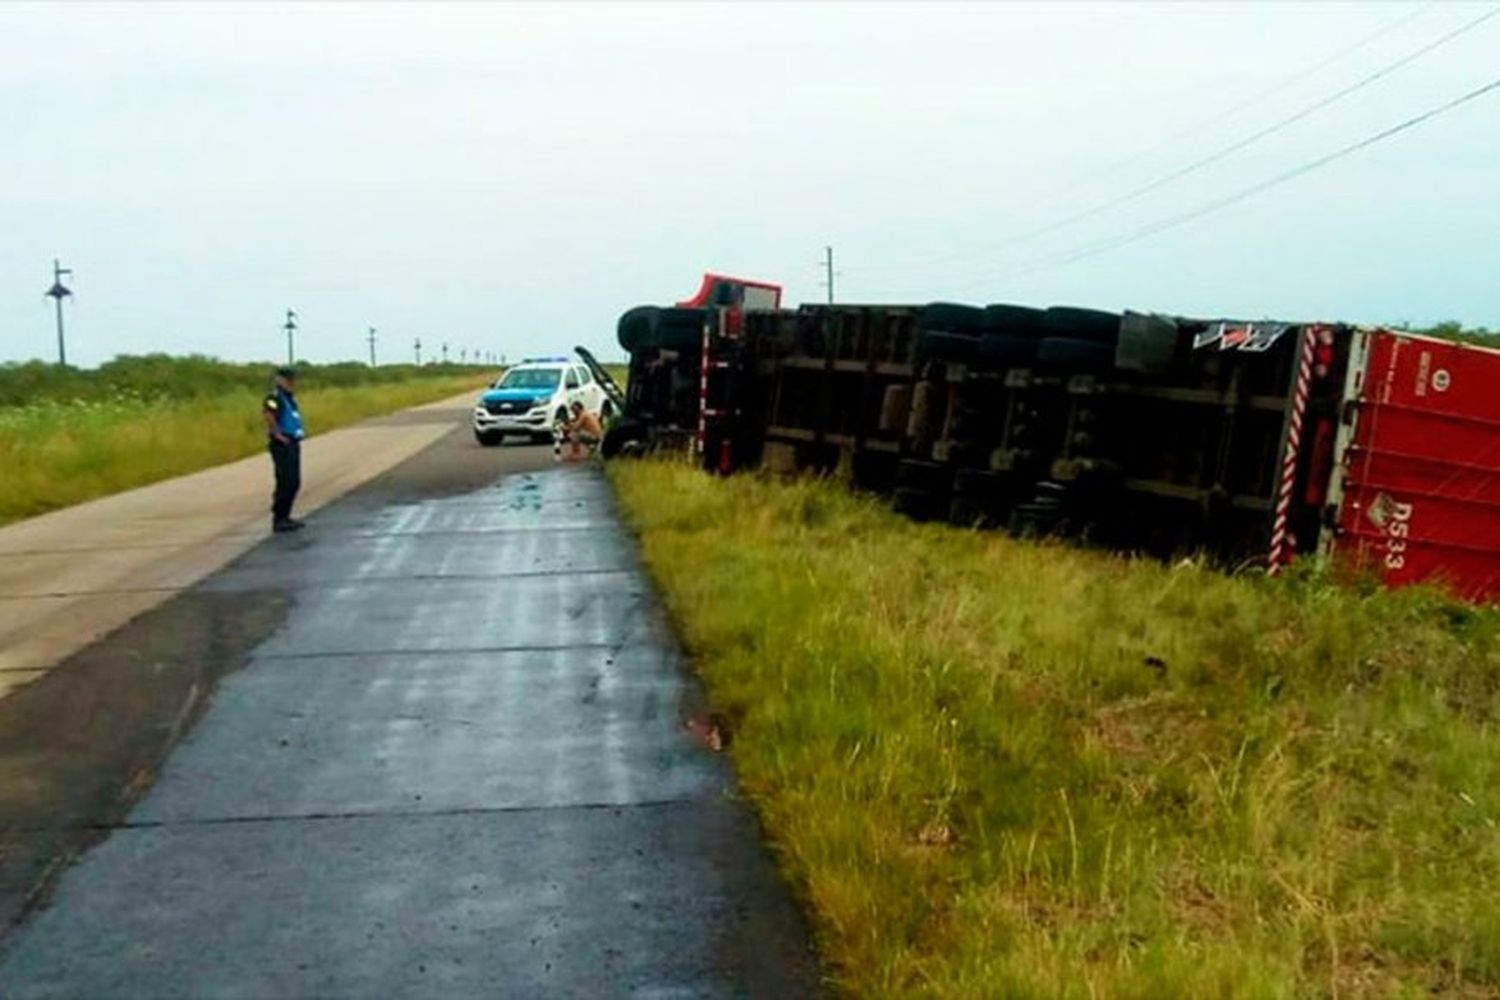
pixel 284 430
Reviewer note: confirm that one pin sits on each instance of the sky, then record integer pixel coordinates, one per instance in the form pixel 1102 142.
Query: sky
pixel 510 178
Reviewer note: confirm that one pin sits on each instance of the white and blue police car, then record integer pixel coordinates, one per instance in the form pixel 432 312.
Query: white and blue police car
pixel 533 397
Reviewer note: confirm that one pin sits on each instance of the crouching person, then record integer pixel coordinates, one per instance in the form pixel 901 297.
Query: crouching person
pixel 582 433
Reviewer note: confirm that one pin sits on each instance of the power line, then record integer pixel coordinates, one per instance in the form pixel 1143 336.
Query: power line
pixel 1173 221
pixel 1255 98
pixel 1220 154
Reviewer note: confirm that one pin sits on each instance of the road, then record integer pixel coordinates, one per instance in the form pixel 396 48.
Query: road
pixel 72 576
pixel 441 749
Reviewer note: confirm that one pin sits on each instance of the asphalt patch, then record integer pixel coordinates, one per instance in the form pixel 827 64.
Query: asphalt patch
pixel 80 745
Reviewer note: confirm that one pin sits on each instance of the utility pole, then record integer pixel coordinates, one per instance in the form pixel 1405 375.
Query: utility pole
pixel 828 272
pixel 417 346
pixel 463 356
pixel 370 338
pixel 290 326
pixel 445 352
pixel 58 292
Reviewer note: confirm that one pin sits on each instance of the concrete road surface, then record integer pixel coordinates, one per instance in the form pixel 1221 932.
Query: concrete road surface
pixel 444 754
pixel 72 576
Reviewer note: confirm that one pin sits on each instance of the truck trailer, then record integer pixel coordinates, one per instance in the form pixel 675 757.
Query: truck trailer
pixel 1254 442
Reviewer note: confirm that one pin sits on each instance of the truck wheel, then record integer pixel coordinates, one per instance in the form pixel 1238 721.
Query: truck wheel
pixel 1001 351
pixel 1012 321
pixel 940 345
pixel 635 327
pixel 678 329
pixel 1067 354
pixel 919 505
pixel 622 438
pixel 969 512
pixel 950 317
pixel 1081 324
pixel 924 477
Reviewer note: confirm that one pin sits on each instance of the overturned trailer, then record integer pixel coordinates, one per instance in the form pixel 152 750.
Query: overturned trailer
pixel 1254 442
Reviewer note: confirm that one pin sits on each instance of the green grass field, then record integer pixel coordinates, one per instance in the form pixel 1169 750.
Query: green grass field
pixel 82 435
pixel 1010 769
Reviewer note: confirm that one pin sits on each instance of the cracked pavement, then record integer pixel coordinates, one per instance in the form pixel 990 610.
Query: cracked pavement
pixel 457 767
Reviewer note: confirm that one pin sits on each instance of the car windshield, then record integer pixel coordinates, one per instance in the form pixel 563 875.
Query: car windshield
pixel 529 378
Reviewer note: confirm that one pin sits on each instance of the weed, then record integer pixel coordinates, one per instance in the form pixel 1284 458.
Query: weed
pixel 1008 769
pixel 61 452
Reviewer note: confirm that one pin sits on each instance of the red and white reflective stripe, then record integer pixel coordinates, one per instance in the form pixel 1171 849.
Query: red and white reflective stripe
pixel 1280 551
pixel 705 364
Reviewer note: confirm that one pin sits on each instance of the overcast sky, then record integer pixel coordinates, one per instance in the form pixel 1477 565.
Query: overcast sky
pixel 510 178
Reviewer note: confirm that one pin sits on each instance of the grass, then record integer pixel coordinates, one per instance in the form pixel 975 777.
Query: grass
pixel 58 452
pixel 1008 769
pixel 179 378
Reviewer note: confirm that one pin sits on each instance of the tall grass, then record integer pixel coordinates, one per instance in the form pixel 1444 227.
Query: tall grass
pixel 55 454
pixel 1010 769
pixel 178 378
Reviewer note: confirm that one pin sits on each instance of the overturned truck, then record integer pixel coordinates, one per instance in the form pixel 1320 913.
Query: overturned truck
pixel 1253 442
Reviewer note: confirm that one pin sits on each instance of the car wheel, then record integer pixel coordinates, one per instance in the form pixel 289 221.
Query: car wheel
pixel 489 438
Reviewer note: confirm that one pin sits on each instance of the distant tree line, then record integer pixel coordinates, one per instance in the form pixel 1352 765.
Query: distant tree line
pixel 164 376
pixel 1454 330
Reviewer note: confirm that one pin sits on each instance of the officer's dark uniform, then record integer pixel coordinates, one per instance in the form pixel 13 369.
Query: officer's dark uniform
pixel 286 455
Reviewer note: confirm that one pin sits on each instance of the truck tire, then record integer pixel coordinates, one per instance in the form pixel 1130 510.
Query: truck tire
pixel 678 330
pixel 1071 355
pixel 1064 322
pixel 983 483
pixel 981 498
pixel 1014 321
pixel 1001 351
pixel 941 345
pixel 950 317
pixel 919 505
pixel 969 512
pixel 635 327
pixel 926 477
pixel 620 437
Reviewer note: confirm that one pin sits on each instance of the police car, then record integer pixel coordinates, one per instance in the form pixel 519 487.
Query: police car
pixel 535 395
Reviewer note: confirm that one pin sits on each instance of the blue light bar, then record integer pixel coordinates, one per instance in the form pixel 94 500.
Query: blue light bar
pixel 543 361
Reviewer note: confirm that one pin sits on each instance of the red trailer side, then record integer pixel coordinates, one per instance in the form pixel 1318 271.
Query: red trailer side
pixel 1417 481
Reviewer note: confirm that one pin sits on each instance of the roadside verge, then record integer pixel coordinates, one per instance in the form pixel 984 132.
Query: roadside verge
pixel 1002 767
pixel 72 576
